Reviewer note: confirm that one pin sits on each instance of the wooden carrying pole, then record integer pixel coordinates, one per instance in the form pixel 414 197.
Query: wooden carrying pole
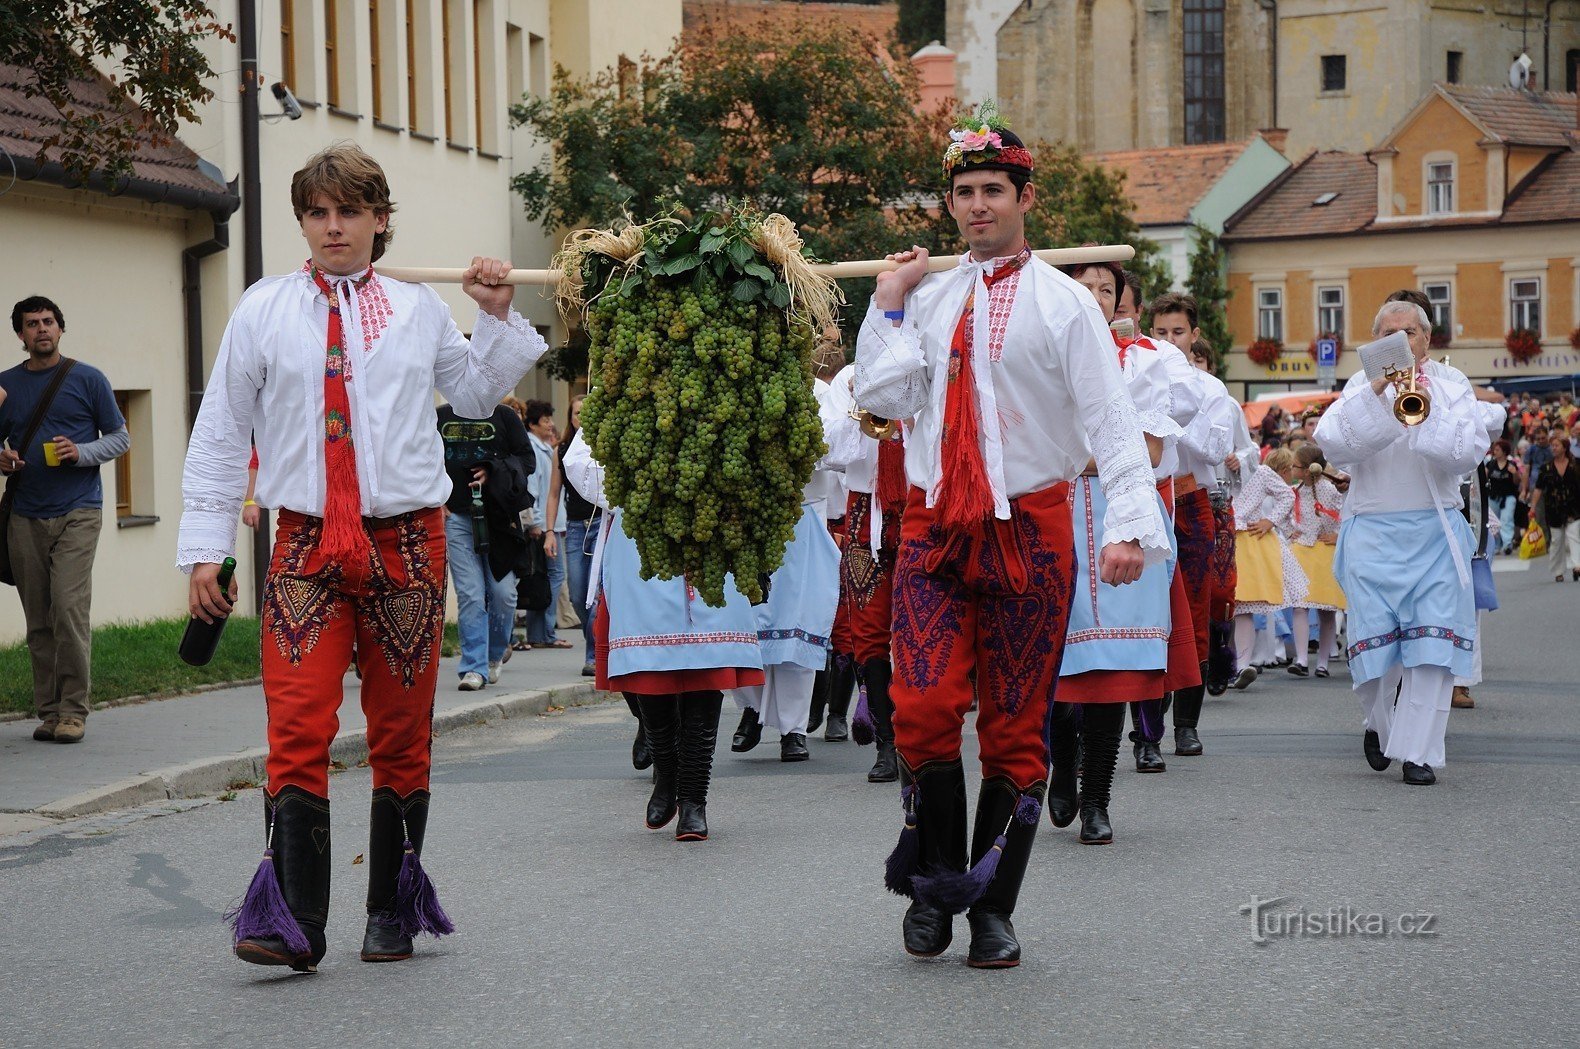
pixel 865 268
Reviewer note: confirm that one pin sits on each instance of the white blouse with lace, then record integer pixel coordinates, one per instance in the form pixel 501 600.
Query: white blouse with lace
pixel 1045 369
pixel 1316 513
pixel 268 386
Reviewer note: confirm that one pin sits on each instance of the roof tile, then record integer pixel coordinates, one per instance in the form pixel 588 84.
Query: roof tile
pixel 1552 196
pixel 1520 118
pixel 878 20
pixel 1164 184
pixel 1290 210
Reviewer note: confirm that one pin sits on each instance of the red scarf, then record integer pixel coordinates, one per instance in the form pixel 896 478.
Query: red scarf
pixel 965 495
pixel 344 538
pixel 891 471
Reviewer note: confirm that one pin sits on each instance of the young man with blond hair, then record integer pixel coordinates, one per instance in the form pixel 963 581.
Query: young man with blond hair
pixel 331 369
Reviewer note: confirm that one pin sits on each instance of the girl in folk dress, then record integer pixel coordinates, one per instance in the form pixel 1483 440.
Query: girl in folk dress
pixel 1268 576
pixel 1313 535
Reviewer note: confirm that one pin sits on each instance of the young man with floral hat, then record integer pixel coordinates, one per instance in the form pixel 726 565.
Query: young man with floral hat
pixel 1006 368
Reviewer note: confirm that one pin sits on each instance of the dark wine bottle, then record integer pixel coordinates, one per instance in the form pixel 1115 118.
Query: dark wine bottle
pixel 479 521
pixel 201 639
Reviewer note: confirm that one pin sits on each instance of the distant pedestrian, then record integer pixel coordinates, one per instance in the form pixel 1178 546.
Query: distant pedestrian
pixel 1503 491
pixel 61 423
pixel 582 521
pixel 547 516
pixel 1556 503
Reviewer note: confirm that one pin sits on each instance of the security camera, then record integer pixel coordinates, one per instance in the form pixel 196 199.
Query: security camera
pixel 289 106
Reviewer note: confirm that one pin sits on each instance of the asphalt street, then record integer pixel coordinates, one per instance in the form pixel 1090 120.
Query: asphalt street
pixel 1403 915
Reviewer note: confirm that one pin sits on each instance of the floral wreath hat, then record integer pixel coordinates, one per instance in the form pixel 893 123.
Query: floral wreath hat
pixel 985 143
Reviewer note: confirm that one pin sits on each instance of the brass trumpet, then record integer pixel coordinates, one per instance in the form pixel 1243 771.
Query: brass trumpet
pixel 1411 405
pixel 879 429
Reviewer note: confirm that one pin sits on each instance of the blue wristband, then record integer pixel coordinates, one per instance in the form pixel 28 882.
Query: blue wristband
pixel 894 315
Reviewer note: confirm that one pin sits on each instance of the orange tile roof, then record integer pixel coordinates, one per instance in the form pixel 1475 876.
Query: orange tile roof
pixel 1520 118
pixel 878 20
pixel 1288 208
pixel 26 121
pixel 1164 184
pixel 1551 193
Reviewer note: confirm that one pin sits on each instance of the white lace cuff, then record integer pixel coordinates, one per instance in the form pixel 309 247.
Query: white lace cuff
pixel 502 351
pixel 1125 471
pixel 891 370
pixel 208 531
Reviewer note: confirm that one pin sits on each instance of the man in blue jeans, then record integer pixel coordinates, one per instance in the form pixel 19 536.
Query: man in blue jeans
pixel 547 516
pixel 489 463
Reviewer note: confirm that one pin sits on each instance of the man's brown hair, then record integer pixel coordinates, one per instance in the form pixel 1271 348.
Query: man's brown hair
pixel 1173 302
pixel 1203 349
pixel 347 175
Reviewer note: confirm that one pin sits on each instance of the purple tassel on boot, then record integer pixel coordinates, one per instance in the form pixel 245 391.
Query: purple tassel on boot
pixel 862 728
pixel 416 902
pixel 1027 809
pixel 954 891
pixel 262 913
pixel 901 865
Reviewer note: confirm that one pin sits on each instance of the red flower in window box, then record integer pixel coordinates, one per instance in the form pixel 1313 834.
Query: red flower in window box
pixel 1441 339
pixel 1522 344
pixel 1264 351
pixel 1311 348
pixel 1574 338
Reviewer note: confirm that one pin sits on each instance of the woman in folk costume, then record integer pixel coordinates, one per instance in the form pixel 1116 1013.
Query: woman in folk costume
pixel 660 644
pixel 332 370
pixel 875 473
pixel 794 624
pixel 836 682
pixel 1244 455
pixel 1009 372
pixel 1269 578
pixel 1128 644
pixel 1313 534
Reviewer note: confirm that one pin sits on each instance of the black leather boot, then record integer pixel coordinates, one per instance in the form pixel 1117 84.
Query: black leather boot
pixel 748 733
pixel 1064 741
pixel 842 684
pixel 941 844
pixel 1148 757
pixel 1103 724
pixel 300 840
pixel 878 673
pixel 641 750
pixel 661 715
pixel 1220 658
pixel 1187 714
pixel 820 686
pixel 699 734
pixel 392 821
pixel 993 942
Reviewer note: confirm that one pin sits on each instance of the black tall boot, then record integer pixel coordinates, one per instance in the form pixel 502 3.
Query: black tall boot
pixel 661 715
pixel 842 683
pixel 699 734
pixel 296 827
pixel 1102 725
pixel 1064 737
pixel 394 821
pixel 1220 658
pixel 820 686
pixel 878 673
pixel 1187 714
pixel 940 802
pixel 993 942
pixel 641 750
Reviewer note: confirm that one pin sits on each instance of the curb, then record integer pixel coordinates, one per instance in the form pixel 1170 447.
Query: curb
pixel 147 697
pixel 212 775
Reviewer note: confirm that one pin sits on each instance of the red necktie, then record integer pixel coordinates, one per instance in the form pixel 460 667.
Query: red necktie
pixel 891 484
pixel 344 539
pixel 965 495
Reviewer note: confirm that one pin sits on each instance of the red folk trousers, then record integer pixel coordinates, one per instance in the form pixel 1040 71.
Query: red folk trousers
pixel 993 598
pixel 866 585
pixel 1193 531
pixel 315 610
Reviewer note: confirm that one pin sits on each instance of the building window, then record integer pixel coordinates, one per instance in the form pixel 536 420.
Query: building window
pixel 1333 72
pixel 288 44
pixel 375 58
pixel 331 65
pixel 1330 312
pixel 123 463
pixel 1525 304
pixel 1456 62
pixel 411 66
pixel 134 482
pixel 1440 188
pixel 1270 314
pixel 1572 70
pixel 1204 105
pixel 1440 295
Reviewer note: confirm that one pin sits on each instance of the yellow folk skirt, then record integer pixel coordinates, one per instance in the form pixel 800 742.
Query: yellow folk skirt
pixel 1317 562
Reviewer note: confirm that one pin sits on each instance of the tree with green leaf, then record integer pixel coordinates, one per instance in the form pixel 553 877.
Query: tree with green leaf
pixel 156 69
pixel 1207 283
pixel 920 23
pixel 811 121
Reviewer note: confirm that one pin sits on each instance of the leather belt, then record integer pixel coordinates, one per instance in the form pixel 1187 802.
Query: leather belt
pixel 1185 484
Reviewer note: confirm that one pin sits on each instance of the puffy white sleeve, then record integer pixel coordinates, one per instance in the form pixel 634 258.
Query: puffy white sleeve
pixel 1493 418
pixel 1083 342
pixel 1453 437
pixel 1187 393
pixel 214 479
pixel 891 370
pixel 1150 386
pixel 1209 434
pixel 1358 426
pixel 842 433
pixel 585 473
pixel 825 414
pixel 475 374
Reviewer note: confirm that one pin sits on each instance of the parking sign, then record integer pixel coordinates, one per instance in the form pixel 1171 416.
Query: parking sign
pixel 1327 353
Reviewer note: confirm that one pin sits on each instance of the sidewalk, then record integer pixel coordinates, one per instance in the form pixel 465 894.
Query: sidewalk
pixel 194 745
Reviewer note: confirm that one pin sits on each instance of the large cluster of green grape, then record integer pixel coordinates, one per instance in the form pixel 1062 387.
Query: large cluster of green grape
pixel 703 416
